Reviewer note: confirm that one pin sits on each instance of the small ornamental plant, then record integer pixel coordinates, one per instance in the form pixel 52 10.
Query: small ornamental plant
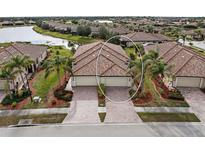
pixel 13 105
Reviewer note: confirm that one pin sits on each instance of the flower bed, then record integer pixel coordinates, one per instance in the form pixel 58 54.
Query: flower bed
pixel 23 94
pixel 62 94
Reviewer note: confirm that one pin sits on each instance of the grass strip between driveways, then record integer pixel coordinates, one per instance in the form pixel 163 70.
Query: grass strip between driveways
pixel 102 116
pixel 167 117
pixel 37 119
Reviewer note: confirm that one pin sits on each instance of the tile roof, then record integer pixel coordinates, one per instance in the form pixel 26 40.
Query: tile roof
pixel 145 37
pixel 185 61
pixel 112 61
pixel 34 51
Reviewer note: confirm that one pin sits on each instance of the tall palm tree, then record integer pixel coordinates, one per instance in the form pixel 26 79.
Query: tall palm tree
pixel 54 64
pixel 19 65
pixel 152 66
pixel 67 67
pixel 7 74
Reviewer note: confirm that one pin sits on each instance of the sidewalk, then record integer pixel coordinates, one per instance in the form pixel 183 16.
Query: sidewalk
pixel 164 109
pixel 4 113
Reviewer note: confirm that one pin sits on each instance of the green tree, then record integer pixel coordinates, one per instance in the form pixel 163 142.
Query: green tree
pixel 7 74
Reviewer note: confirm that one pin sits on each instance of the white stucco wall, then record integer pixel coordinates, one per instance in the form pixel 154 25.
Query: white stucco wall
pixel 108 81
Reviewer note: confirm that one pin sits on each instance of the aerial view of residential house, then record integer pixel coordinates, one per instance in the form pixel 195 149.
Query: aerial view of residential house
pixel 143 37
pixel 112 65
pixel 187 65
pixel 36 52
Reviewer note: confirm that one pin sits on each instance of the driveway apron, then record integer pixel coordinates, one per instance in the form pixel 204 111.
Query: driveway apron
pixel 118 111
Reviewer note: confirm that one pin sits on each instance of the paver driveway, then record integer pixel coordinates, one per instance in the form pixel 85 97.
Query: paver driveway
pixel 85 107
pixel 196 99
pixel 117 111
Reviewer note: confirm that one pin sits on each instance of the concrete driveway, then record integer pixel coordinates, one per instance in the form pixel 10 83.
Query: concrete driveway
pixel 196 99
pixel 118 111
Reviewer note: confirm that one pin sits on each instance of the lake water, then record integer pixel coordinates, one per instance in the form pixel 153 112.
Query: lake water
pixel 27 34
pixel 199 44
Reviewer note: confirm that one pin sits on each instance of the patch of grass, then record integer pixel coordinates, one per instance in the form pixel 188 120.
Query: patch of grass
pixel 3 45
pixel 165 103
pixel 102 116
pixel 168 117
pixel 37 119
pixel 44 85
pixel 69 37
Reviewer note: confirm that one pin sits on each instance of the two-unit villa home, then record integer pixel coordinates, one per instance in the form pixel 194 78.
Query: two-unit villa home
pixel 187 66
pixel 112 65
pixel 37 53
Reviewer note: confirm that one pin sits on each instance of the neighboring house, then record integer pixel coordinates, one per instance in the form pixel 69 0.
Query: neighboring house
pixel 119 30
pixel 112 65
pixel 143 37
pixel 187 66
pixel 36 52
pixel 7 23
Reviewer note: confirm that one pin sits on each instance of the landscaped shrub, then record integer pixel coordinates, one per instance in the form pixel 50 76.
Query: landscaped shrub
pixel 16 98
pixel 101 97
pixel 101 91
pixel 176 95
pixel 14 104
pixel 63 94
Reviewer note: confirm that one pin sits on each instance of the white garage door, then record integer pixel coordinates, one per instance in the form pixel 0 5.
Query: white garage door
pixel 117 81
pixel 85 81
pixel 188 82
pixel 108 81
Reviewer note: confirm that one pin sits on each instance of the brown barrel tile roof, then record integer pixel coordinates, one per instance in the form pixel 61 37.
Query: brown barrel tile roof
pixel 185 61
pixel 34 51
pixel 145 37
pixel 111 62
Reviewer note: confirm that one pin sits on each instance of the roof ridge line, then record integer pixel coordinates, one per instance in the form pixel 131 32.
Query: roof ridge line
pixel 85 64
pixel 114 62
pixel 88 49
pixel 86 56
pixel 168 50
pixel 108 69
pixel 174 55
pixel 116 51
pixel 17 49
pixel 8 52
pixel 183 64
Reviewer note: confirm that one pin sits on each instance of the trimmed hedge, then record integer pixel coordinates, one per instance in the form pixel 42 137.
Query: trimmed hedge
pixel 176 95
pixel 16 98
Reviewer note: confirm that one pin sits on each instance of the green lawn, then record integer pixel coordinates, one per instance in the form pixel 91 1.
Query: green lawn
pixel 37 119
pixel 74 38
pixel 5 44
pixel 168 117
pixel 44 85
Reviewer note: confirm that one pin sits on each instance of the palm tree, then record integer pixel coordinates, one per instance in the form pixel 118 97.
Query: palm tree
pixel 152 67
pixel 67 67
pixel 19 64
pixel 7 74
pixel 54 64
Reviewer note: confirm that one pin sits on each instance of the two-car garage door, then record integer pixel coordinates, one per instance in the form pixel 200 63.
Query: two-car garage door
pixel 108 81
pixel 190 82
